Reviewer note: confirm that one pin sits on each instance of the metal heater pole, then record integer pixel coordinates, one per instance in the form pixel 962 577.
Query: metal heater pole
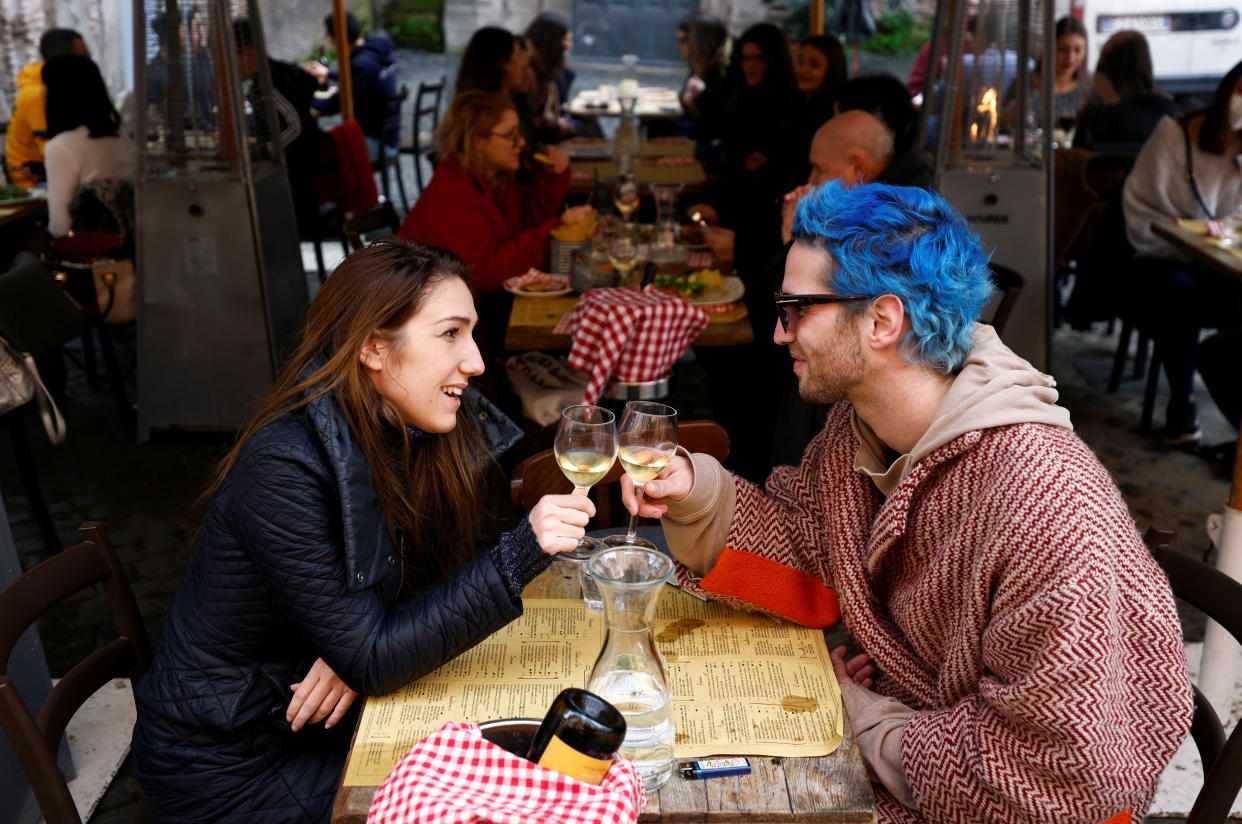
pixel 817 16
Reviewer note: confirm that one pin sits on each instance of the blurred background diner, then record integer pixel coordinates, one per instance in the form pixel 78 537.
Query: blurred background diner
pixel 184 177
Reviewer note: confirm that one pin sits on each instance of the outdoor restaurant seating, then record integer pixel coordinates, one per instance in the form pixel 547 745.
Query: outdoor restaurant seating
pixel 1217 596
pixel 388 160
pixel 539 474
pixel 361 229
pixel 427 106
pixel 37 737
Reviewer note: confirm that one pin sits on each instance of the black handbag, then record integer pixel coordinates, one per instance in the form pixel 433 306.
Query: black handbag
pixel 35 314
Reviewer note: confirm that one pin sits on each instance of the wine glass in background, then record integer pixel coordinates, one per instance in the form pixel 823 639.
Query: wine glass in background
pixel 623 254
pixel 625 195
pixel 647 441
pixel 586 448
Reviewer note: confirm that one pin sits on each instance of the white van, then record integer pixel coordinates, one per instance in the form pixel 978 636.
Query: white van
pixel 1194 43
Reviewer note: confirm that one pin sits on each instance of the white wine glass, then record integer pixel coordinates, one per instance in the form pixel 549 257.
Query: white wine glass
pixel 623 254
pixel 647 441
pixel 585 448
pixel 625 196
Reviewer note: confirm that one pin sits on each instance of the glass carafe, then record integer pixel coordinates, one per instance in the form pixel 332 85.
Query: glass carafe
pixel 667 231
pixel 628 139
pixel 629 672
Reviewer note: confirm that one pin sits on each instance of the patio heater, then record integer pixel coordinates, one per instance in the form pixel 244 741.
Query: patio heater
pixel 222 288
pixel 990 129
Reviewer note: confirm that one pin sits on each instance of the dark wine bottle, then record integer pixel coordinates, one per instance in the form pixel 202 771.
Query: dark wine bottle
pixel 579 736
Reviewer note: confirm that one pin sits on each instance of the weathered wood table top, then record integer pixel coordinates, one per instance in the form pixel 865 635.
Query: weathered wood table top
pixel 1197 246
pixel 532 321
pixel 825 790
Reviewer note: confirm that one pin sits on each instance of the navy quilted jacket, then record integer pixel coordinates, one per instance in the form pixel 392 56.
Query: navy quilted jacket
pixel 294 562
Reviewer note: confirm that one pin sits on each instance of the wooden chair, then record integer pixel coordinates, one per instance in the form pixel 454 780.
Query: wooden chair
pixel 387 164
pixel 426 105
pixel 36 739
pixel 1217 596
pixel 1009 283
pixel 361 229
pixel 539 474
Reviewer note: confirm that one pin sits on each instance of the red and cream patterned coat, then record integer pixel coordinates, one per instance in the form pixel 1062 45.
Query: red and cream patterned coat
pixel 1004 593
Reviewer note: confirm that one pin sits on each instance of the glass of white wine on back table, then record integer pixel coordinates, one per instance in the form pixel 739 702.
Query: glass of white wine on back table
pixel 586 448
pixel 625 198
pixel 647 442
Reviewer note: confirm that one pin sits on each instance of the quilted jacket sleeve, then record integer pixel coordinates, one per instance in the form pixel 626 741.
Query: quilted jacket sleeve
pixel 285 511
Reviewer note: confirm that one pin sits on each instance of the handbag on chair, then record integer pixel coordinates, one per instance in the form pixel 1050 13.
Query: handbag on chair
pixel 20 384
pixel 101 286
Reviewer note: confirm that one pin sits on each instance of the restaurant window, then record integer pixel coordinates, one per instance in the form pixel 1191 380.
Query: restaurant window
pixel 607 29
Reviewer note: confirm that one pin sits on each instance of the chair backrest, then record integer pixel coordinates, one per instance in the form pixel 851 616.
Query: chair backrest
pixel 1009 283
pixel 1216 595
pixel 36 739
pixel 395 103
pixel 539 474
pixel 427 104
pixel 362 229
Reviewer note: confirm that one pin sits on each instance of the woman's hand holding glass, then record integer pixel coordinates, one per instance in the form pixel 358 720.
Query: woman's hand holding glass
pixel 647 443
pixel 585 448
pixel 559 522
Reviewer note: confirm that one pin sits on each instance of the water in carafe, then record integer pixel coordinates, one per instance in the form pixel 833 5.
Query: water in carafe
pixel 629 672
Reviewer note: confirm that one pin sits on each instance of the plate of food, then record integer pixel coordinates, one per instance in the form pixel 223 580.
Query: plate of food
pixel 536 284
pixel 702 287
pixel 11 195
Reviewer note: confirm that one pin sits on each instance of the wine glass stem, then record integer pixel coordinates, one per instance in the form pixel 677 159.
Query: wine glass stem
pixel 632 533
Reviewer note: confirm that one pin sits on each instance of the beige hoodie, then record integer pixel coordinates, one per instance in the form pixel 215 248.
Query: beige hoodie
pixel 994 388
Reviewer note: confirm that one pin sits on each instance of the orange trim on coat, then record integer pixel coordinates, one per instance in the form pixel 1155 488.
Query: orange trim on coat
pixel 773 586
pixel 1122 817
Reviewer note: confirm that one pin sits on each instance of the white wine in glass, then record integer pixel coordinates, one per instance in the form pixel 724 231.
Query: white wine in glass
pixel 626 196
pixel 586 448
pixel 648 441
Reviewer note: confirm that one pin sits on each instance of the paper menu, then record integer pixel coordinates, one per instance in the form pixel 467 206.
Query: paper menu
pixel 742 684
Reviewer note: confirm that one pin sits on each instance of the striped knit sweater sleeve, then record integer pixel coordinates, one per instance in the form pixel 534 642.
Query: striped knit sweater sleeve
pixel 773 559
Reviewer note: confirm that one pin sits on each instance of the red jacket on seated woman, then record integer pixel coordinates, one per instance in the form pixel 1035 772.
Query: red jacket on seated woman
pixel 474 208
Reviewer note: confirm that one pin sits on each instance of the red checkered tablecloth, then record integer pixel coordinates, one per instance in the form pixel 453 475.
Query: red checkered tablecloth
pixel 628 335
pixel 455 776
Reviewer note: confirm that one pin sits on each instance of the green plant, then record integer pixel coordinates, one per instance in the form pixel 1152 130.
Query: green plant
pixel 423 32
pixel 898 32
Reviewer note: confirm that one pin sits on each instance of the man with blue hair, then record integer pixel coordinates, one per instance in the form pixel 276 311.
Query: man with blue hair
pixel 1025 657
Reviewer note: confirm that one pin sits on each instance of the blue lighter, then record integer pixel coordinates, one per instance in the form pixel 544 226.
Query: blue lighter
pixel 715 768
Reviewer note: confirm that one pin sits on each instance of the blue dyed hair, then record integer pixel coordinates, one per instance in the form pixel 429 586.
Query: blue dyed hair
pixel 908 242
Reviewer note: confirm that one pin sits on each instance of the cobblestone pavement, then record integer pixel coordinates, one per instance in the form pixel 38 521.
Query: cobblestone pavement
pixel 145 494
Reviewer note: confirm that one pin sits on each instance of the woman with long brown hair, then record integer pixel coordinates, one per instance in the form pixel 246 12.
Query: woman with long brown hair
pixel 337 553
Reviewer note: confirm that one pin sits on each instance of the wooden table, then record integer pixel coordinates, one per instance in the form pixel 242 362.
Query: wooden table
pixel 531 321
pixel 1220 656
pixel 1197 246
pixel 17 211
pixel 654 103
pixel 833 788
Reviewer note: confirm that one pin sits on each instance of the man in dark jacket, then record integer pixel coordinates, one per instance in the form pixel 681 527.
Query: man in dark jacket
pixel 374 77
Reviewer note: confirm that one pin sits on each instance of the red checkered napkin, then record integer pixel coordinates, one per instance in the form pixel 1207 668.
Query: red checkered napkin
pixel 455 776
pixel 629 335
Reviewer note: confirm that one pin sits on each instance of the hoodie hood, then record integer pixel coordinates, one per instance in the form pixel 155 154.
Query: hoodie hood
pixel 994 388
pixel 30 75
pixel 376 48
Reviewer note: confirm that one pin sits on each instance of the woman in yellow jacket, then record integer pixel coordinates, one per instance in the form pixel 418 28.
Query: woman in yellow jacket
pixel 24 142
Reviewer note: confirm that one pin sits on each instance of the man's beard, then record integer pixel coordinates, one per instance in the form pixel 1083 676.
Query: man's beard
pixel 834 367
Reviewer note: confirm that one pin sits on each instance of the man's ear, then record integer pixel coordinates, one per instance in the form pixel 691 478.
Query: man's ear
pixel 373 353
pixel 888 322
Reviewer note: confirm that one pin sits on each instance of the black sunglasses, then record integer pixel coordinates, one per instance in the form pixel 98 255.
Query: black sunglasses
pixel 784 302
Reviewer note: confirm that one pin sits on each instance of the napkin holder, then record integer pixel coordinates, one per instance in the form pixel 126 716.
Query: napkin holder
pixel 638 390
